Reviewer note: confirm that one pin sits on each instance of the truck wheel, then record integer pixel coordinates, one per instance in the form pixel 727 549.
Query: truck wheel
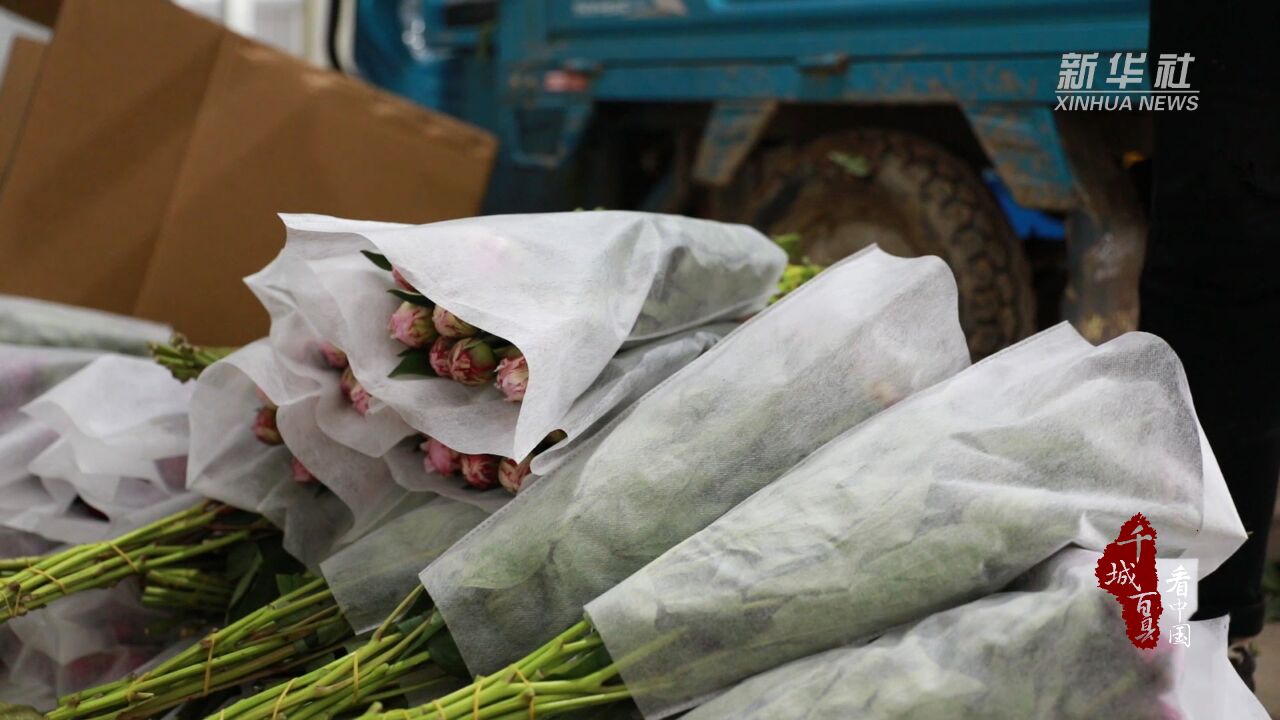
pixel 845 191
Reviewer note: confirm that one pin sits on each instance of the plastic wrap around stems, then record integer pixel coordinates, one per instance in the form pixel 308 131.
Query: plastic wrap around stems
pixel 353 492
pixel 370 577
pixel 629 375
pixel 568 289
pixel 947 497
pixel 27 321
pixel 113 435
pixel 1054 646
pixel 854 340
pixel 80 641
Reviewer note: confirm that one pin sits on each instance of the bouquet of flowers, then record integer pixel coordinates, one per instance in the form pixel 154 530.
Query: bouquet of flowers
pixel 945 498
pixel 492 337
pixel 1049 646
pixel 855 340
pixel 40 323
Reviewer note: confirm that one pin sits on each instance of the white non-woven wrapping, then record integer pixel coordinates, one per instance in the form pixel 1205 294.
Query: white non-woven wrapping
pixel 568 289
pixel 945 498
pixel 112 435
pixel 865 333
pixel 228 463
pixel 1054 646
pixel 27 321
pixel 304 379
pixel 371 576
pixel 78 642
pixel 629 375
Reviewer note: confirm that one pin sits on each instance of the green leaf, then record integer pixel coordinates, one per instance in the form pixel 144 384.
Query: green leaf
pixel 855 165
pixel 286 584
pixel 242 559
pixel 243 562
pixel 412 297
pixel 417 362
pixel 377 259
pixel 444 653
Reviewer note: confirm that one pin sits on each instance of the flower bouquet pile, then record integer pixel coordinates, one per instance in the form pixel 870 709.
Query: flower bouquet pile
pixel 947 497
pixel 717 500
pixel 855 340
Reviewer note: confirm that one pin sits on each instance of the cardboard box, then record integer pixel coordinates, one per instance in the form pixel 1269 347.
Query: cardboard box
pixel 159 147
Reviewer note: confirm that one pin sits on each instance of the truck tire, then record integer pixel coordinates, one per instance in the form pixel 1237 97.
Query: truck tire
pixel 844 191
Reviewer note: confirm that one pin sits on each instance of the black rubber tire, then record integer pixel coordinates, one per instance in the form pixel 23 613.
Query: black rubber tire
pixel 844 191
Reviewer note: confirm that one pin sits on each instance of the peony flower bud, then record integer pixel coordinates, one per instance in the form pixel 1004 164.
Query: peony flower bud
pixel 348 379
pixel 411 325
pixel 264 426
pixel 471 362
pixel 513 377
pixel 404 284
pixel 512 474
pixel 451 325
pixel 480 471
pixel 358 396
pixel 300 473
pixel 333 355
pixel 440 458
pixel 440 353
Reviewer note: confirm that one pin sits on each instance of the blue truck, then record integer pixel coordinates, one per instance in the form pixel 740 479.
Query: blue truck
pixel 848 122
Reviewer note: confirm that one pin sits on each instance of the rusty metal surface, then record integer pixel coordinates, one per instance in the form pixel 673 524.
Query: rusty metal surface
pixel 1023 144
pixel 731 133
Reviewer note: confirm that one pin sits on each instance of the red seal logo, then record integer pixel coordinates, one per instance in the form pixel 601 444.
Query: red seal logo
pixel 1127 570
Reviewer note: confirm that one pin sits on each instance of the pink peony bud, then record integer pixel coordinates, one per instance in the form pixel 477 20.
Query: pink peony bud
pixel 411 325
pixel 358 396
pixel 471 362
pixel 441 350
pixel 480 471
pixel 264 426
pixel 451 325
pixel 262 398
pixel 512 474
pixel 513 377
pixel 440 458
pixel 404 284
pixel 300 472
pixel 348 379
pixel 333 355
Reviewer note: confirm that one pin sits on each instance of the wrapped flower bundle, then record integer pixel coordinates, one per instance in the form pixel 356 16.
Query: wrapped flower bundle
pixel 459 329
pixel 945 498
pixel 40 323
pixel 855 340
pixel 257 444
pixel 1051 646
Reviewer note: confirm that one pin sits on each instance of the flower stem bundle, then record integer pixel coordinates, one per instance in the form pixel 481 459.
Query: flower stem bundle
pixel 299 627
pixel 196 532
pixel 187 588
pixel 184 360
pixel 571 672
pixel 366 674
